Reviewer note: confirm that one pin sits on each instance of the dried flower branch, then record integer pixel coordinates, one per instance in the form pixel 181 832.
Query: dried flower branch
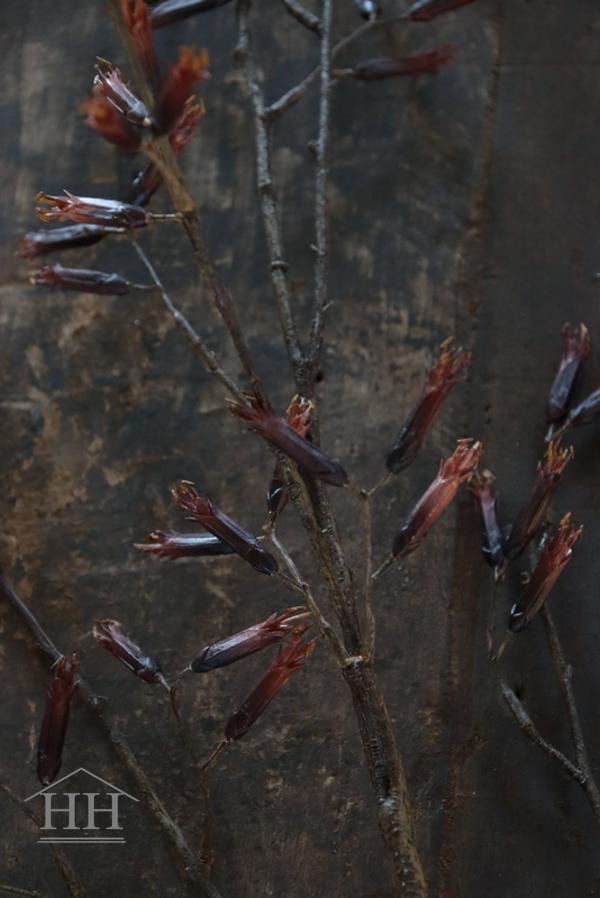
pixel 577 348
pixel 56 718
pixel 251 640
pixel 49 240
pixel 480 486
pixel 438 384
pixel 184 545
pixel 110 636
pixel 280 434
pixel 532 514
pixel 454 471
pixel 201 509
pixel 90 210
pixel 553 560
pixel 429 63
pixel 178 86
pixel 426 10
pixel 84 280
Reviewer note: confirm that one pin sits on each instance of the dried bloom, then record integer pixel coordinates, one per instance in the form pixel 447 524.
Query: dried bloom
pixel 532 514
pixel 90 210
pixel 137 19
pixel 553 560
pixel 56 719
pixel 201 509
pixel 440 380
pixel 103 117
pixel 389 67
pixel 425 10
pixel 173 10
pixel 577 349
pixel 178 87
pixel 289 659
pixel 454 471
pixel 110 85
pixel 147 182
pixel 50 240
pixel 276 431
pixel 251 640
pixel 184 545
pixel 108 633
pixel 493 546
pixel 299 416
pixel 82 280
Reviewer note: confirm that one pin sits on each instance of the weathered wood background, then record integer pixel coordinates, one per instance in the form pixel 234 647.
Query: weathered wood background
pixel 462 204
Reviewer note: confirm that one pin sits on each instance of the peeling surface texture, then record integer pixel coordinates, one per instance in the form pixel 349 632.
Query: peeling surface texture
pixel 461 204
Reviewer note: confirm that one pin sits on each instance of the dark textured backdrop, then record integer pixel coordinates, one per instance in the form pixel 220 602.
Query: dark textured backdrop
pixel 462 204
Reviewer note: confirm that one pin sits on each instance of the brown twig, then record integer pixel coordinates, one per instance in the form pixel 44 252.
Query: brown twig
pixel 192 865
pixel 368 589
pixel 303 15
pixel 15 890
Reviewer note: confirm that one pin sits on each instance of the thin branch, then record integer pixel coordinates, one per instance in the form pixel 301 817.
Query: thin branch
pixel 206 355
pixel 268 201
pixel 368 590
pixel 303 15
pixel 15 890
pixel 191 863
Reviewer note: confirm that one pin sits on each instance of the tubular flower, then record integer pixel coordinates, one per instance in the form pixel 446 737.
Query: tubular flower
pixel 108 633
pixel 577 348
pixel 172 10
pixel 90 210
pixel 425 10
pixel 532 514
pixel 438 384
pixel 184 545
pixel 101 115
pixel 111 85
pixel 146 183
pixel 553 560
pixel 82 280
pixel 454 471
pixel 299 418
pixel 251 640
pixel 201 509
pixel 586 411
pixel 279 433
pixel 46 240
pixel 481 487
pixel 137 19
pixel 56 719
pixel 178 86
pixel 389 67
pixel 289 659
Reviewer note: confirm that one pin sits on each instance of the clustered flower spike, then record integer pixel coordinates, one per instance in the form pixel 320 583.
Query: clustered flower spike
pixel 280 434
pixel 480 485
pixel 90 210
pixel 438 384
pixel 453 472
pixel 531 516
pixel 251 640
pixel 429 63
pixel 110 636
pixel 201 509
pixel 553 560
pixel 577 348
pixel 56 719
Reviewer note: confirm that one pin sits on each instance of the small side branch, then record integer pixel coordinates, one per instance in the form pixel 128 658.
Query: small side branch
pixel 303 15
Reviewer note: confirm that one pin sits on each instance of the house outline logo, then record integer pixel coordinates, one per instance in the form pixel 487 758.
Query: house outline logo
pixel 90 833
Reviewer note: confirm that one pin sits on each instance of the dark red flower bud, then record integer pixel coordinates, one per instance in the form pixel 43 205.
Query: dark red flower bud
pixel 299 416
pixel 201 509
pixel 173 10
pixel 428 63
pixel 577 349
pixel 110 85
pixel 439 382
pixel 553 560
pixel 425 10
pixel 108 633
pixel 279 433
pixel 184 545
pixel 56 719
pixel 90 210
pixel 454 471
pixel 532 514
pixel 50 240
pixel 82 280
pixel 493 546
pixel 104 118
pixel 289 659
pixel 178 87
pixel 137 19
pixel 251 640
